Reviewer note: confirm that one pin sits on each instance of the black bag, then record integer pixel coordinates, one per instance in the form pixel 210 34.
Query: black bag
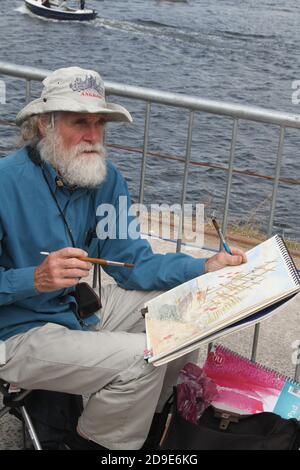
pixel 220 430
pixel 87 300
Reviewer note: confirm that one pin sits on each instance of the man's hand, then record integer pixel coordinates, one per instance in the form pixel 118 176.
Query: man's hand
pixel 61 269
pixel 222 259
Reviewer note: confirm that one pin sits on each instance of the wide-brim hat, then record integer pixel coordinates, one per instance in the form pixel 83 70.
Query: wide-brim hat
pixel 77 90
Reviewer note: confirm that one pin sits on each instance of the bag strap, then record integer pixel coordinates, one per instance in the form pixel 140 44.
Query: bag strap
pixel 158 426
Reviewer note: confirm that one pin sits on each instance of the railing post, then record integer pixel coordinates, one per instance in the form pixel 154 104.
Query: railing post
pixel 145 150
pixel 276 181
pixel 229 181
pixel 255 342
pixel 185 178
pixel 297 370
pixel 28 90
pixel 230 172
pixel 271 221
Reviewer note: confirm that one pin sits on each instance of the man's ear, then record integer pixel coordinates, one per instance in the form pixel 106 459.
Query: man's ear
pixel 42 123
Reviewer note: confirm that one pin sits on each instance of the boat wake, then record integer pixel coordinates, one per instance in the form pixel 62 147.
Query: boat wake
pixel 138 26
pixel 150 28
pixel 21 9
pixel 171 33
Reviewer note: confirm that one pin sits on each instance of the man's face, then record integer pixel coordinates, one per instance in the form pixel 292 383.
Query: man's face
pixel 74 146
pixel 77 128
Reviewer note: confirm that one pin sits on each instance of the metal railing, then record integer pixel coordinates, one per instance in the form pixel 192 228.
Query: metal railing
pixel 237 112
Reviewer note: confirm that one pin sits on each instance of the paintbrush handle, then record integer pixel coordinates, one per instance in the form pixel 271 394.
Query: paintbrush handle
pixel 105 262
pixel 102 262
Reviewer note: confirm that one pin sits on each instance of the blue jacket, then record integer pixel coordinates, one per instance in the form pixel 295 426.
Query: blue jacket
pixel 30 222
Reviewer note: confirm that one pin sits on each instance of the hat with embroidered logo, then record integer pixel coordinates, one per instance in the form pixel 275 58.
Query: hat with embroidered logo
pixel 77 90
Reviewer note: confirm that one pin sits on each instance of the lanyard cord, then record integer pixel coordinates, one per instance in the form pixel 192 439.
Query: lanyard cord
pixel 58 206
pixel 35 157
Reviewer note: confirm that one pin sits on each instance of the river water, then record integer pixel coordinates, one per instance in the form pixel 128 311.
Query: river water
pixel 239 52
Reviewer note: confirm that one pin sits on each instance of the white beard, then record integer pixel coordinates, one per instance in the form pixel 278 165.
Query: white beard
pixel 74 166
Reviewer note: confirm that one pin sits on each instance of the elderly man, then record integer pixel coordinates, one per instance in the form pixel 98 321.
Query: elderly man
pixel 50 191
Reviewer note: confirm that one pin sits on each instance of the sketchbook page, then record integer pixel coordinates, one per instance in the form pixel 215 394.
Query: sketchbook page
pixel 228 330
pixel 194 343
pixel 191 344
pixel 208 303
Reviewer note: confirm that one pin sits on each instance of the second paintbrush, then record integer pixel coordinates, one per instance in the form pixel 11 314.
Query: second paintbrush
pixel 222 238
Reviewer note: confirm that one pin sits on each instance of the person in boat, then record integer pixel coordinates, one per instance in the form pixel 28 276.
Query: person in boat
pixel 46 3
pixel 55 193
pixel 82 4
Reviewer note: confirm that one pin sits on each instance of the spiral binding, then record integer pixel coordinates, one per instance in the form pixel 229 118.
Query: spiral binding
pixel 288 259
pixel 278 375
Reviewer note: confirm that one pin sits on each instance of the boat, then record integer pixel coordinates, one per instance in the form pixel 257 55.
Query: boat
pixel 58 10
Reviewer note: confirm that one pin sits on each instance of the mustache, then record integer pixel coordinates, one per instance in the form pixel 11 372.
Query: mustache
pixel 90 148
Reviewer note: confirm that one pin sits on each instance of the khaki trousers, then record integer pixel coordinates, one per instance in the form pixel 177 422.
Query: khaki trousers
pixel 106 364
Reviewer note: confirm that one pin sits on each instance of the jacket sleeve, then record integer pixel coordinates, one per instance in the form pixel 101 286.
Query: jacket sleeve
pixel 151 271
pixel 15 284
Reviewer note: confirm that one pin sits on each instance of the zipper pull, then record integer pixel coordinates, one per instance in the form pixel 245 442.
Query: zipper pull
pixel 226 418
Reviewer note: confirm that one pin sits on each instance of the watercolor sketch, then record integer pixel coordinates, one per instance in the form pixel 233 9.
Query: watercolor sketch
pixel 207 303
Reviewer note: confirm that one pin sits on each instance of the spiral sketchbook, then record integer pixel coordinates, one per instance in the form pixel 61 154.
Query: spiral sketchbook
pixel 246 387
pixel 220 302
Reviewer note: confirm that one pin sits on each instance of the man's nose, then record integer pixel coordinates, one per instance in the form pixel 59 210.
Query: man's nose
pixel 93 134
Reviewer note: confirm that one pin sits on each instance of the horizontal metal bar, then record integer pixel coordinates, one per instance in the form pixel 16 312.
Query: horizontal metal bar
pixel 132 150
pixel 234 110
pixel 22 71
pixel 216 166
